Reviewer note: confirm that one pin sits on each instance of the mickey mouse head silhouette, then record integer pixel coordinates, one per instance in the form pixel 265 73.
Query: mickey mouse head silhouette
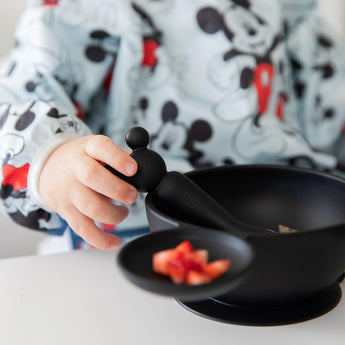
pixel 327 120
pixel 250 35
pixel 324 65
pixel 103 45
pixel 178 138
pixel 248 32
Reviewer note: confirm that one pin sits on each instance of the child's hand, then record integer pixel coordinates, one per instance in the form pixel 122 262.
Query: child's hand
pixel 75 184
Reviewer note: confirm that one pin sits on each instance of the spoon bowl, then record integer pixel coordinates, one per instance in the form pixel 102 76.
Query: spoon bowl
pixel 135 261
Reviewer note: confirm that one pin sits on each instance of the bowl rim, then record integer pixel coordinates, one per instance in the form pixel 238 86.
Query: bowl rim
pixel 176 223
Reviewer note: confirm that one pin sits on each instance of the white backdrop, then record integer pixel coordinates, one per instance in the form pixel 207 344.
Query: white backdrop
pixel 9 14
pixel 17 241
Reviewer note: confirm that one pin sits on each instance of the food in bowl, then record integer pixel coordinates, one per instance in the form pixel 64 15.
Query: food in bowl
pixel 186 265
pixel 285 229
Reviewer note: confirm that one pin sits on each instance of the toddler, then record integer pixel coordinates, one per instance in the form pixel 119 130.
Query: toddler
pixel 214 82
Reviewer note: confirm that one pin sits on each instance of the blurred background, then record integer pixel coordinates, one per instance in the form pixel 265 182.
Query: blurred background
pixel 18 241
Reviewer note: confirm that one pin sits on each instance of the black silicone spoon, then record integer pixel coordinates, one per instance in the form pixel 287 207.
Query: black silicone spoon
pixel 135 261
pixel 173 190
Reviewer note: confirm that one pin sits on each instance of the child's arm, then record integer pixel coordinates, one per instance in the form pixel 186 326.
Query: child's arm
pixel 46 87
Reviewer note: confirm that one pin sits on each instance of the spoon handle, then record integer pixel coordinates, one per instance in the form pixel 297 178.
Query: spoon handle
pixel 176 193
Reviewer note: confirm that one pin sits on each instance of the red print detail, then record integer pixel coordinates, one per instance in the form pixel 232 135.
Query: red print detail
pixel 149 58
pixel 108 79
pixel 280 109
pixel 263 79
pixel 16 177
pixel 108 227
pixel 80 111
pixel 50 3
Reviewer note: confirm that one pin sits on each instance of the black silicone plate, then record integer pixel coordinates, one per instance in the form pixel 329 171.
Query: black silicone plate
pixel 135 261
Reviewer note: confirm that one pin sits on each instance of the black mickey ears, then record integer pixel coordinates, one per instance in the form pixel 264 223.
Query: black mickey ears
pixel 151 166
pixel 137 138
pixel 169 111
pixel 209 20
pixel 54 113
pixel 25 119
pixel 97 52
pixel 324 41
pixel 30 86
pixel 143 103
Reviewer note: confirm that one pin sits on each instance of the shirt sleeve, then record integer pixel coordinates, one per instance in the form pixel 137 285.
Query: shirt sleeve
pixel 62 57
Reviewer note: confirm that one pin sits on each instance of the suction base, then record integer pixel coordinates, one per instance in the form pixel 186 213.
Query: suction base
pixel 308 309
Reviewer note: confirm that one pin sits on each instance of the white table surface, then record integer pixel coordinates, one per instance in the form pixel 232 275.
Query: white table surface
pixel 81 298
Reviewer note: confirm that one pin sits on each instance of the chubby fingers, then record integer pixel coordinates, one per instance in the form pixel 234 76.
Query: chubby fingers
pixel 103 149
pixel 95 176
pixel 96 206
pixel 86 228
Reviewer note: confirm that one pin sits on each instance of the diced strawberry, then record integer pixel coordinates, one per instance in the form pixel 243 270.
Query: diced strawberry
pixel 185 247
pixel 216 268
pixel 183 264
pixel 176 272
pixel 200 256
pixel 161 259
pixel 197 278
pixel 179 267
pixel 175 268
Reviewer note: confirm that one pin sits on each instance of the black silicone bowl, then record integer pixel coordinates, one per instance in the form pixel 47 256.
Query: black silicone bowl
pixel 288 268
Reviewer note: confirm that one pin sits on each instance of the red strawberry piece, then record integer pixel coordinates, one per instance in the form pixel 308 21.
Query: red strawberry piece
pixel 185 247
pixel 161 259
pixel 197 278
pixel 216 268
pixel 179 267
pixel 184 264
pixel 200 256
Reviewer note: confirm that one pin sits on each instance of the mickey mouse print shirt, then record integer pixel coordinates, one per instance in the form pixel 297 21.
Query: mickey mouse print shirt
pixel 213 81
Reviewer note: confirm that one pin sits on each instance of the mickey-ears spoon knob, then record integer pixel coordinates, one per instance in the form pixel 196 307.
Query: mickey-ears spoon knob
pixel 174 190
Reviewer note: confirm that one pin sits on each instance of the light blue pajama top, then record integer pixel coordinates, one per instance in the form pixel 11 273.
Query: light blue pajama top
pixel 213 81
